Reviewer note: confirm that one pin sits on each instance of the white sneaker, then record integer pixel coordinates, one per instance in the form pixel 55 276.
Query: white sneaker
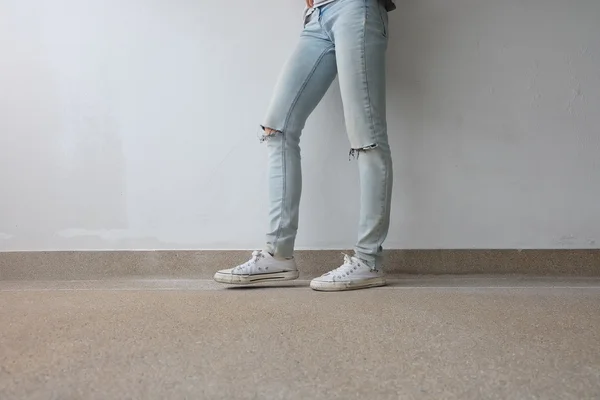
pixel 353 274
pixel 262 267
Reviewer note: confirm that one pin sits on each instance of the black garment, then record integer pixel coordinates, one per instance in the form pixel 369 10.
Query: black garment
pixel 389 4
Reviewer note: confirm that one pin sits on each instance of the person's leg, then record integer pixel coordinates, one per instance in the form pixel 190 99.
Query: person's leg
pixel 359 31
pixel 360 34
pixel 301 86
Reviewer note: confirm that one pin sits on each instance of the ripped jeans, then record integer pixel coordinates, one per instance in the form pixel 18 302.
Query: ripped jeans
pixel 347 38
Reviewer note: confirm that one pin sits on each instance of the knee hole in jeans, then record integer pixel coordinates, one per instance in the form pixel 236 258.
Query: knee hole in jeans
pixel 355 153
pixel 268 133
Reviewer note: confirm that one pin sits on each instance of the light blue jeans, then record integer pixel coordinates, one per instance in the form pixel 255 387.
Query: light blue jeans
pixel 347 38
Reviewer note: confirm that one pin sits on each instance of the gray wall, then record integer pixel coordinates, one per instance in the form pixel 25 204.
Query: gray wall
pixel 132 124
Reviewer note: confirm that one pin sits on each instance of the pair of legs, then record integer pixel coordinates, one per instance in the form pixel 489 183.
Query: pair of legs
pixel 347 38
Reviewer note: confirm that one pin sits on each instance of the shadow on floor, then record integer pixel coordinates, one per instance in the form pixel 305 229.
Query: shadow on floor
pixel 269 286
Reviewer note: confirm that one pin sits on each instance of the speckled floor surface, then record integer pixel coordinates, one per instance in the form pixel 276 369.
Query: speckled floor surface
pixel 420 338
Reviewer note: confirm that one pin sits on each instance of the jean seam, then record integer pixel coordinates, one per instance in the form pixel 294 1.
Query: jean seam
pixel 366 74
pixel 384 211
pixel 283 147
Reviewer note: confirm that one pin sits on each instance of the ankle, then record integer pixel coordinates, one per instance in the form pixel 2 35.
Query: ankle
pixel 372 264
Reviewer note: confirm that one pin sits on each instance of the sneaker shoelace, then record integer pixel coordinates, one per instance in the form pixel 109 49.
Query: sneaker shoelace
pixel 256 256
pixel 349 266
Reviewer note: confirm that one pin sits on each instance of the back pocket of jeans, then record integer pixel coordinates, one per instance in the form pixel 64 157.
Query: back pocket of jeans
pixel 383 16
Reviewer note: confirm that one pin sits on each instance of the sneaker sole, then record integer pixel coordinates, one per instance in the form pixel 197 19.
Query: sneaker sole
pixel 341 286
pixel 249 279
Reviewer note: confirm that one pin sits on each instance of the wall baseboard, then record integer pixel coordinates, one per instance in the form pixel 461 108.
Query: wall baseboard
pixel 92 265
